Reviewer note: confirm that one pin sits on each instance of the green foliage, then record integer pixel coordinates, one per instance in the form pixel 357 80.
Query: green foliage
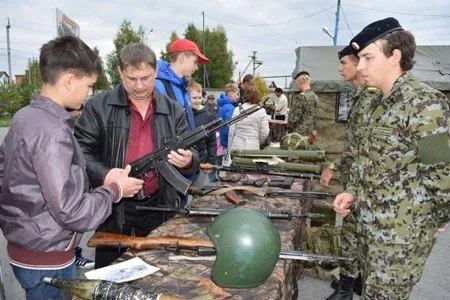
pixel 102 82
pixel 13 97
pixel 124 36
pixel 32 74
pixel 220 66
pixel 164 55
pixel 261 86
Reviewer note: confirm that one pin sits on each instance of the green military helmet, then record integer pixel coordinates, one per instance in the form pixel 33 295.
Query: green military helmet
pixel 247 248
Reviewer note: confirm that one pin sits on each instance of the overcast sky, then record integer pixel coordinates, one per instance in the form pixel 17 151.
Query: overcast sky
pixel 272 28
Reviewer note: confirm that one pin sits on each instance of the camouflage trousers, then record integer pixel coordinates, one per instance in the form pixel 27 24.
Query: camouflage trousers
pixel 349 242
pixel 391 270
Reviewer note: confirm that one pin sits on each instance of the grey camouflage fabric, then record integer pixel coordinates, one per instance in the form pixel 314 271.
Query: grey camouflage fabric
pixel 302 115
pixel 401 182
pixel 360 100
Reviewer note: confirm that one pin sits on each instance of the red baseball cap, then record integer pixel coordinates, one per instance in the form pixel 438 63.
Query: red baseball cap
pixel 187 45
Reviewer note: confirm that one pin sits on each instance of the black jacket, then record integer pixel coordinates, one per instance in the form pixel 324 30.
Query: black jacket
pixel 207 148
pixel 103 131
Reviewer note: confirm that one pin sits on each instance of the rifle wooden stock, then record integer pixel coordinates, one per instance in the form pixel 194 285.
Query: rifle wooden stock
pixel 116 240
pixel 234 198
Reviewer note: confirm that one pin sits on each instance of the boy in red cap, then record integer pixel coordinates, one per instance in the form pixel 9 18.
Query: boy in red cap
pixel 172 78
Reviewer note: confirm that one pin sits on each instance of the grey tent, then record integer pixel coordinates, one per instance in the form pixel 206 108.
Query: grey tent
pixel 432 67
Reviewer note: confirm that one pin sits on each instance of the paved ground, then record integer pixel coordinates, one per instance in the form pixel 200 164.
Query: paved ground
pixel 435 283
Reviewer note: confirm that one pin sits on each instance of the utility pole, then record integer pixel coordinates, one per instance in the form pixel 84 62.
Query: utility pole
pixel 8 49
pixel 256 63
pixel 336 26
pixel 205 72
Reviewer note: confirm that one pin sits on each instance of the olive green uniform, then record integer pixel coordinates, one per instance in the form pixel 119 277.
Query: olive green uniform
pixel 302 115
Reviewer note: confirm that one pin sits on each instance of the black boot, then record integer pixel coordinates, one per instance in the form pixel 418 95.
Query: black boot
pixel 345 289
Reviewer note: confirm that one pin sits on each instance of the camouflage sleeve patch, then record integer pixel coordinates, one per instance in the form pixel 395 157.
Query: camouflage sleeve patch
pixel 434 149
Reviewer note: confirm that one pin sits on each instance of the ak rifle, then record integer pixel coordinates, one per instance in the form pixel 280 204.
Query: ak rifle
pixel 185 244
pixel 157 160
pixel 207 212
pixel 262 192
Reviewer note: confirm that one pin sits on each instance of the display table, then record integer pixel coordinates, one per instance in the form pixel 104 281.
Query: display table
pixel 192 279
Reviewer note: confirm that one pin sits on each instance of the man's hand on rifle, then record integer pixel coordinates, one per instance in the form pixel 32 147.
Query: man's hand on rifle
pixel 130 186
pixel 182 159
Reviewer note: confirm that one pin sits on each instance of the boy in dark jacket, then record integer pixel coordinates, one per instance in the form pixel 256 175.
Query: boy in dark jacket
pixel 45 202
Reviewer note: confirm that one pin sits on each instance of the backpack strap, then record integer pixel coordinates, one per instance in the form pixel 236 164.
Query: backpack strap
pixel 169 89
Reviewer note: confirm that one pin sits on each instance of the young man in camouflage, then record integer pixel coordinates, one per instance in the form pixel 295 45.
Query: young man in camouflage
pixel 401 176
pixel 359 101
pixel 302 117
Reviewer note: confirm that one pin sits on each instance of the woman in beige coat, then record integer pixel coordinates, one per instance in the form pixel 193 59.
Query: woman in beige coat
pixel 252 131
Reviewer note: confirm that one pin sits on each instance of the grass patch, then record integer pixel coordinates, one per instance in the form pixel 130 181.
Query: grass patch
pixel 5 121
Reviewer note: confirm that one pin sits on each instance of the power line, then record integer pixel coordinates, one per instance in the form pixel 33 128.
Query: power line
pixel 346 22
pixel 272 24
pixel 399 12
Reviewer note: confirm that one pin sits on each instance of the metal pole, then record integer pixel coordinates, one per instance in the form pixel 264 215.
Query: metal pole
pixel 254 62
pixel 204 50
pixel 8 26
pixel 336 26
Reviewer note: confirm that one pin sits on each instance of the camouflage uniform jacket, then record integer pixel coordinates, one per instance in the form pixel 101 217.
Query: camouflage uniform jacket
pixel 302 116
pixel 402 168
pixel 360 100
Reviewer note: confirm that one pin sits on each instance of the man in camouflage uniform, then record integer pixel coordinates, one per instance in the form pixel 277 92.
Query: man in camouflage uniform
pixel 359 101
pixel 302 116
pixel 400 180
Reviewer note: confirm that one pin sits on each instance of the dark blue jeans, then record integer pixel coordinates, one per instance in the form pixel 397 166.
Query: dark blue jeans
pixel 36 289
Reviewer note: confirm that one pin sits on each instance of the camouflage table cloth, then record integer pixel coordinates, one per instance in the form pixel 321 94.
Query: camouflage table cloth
pixel 192 279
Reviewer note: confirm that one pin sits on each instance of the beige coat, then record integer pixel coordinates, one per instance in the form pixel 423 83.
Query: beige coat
pixel 251 132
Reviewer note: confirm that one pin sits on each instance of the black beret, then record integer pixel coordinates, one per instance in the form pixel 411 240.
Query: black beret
pixel 373 32
pixel 346 51
pixel 300 74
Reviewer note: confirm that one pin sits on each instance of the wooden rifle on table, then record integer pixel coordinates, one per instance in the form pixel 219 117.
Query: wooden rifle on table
pixel 186 244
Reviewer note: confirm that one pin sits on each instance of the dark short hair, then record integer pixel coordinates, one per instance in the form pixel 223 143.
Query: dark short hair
pixel 278 90
pixel 405 42
pixel 300 74
pixel 67 54
pixel 135 54
pixel 247 78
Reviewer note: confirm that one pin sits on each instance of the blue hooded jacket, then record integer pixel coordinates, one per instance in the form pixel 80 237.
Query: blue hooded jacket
pixel 179 86
pixel 226 108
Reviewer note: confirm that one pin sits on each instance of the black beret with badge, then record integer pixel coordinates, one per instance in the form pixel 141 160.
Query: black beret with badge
pixel 373 32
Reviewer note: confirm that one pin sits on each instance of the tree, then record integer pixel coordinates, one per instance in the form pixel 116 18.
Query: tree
pixel 220 66
pixel 124 36
pixel 165 55
pixel 32 74
pixel 261 86
pixel 102 81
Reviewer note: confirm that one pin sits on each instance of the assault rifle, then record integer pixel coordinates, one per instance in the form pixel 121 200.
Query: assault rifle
pixel 264 168
pixel 267 192
pixel 205 211
pixel 157 160
pixel 198 246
